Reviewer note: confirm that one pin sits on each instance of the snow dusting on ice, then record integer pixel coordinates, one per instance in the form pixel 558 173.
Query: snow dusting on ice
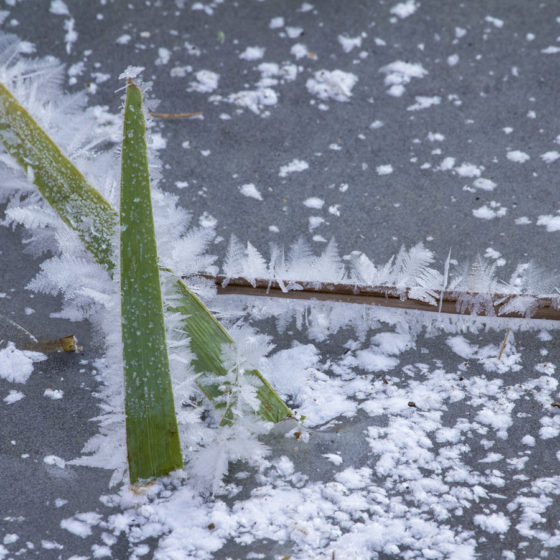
pixel 399 73
pixel 207 81
pixel 296 165
pixel 552 223
pixel 16 365
pixel 490 211
pixel 249 190
pixel 517 156
pixel 252 53
pixel 386 169
pixel 13 396
pixel 405 9
pixel 335 85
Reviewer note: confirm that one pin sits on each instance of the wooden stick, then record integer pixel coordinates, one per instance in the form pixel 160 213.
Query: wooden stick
pixel 387 296
pixel 175 115
pixel 64 344
pixel 503 344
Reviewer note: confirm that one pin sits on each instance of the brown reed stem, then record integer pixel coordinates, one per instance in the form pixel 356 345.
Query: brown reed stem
pixel 455 302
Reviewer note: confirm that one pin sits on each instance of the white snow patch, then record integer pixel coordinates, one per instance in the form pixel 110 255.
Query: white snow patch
pixel 206 220
pixel 392 343
pixel 399 73
pixel 207 81
pixel 13 396
pixel 271 72
pixel 59 8
pixel 314 202
pixel 276 22
pixel 491 458
pixel 17 365
pixel 493 523
pixel 81 523
pixel 461 346
pixel 349 43
pixel 496 22
pixel 497 418
pixel 164 55
pixel 131 72
pixel 334 209
pixel 484 184
pixel 293 32
pixel 375 361
pixel 53 545
pixel 54 394
pixel 468 170
pixel 299 50
pixel 54 460
pixel 490 211
pixel 552 223
pixel 423 102
pixel 250 191
pixel 333 458
pixel 447 163
pixel 335 85
pixel 386 169
pixel 252 53
pixel 435 137
pixel 549 157
pixel 315 222
pixel 553 49
pixel 405 9
pixel 295 166
pixel 254 100
pixel 453 59
pixel 518 156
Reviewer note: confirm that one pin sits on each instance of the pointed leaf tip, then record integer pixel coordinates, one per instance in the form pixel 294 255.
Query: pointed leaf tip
pixel 151 426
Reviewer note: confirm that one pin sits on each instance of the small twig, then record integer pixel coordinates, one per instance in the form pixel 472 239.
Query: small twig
pixel 503 345
pixel 175 115
pixel 64 344
pixel 454 302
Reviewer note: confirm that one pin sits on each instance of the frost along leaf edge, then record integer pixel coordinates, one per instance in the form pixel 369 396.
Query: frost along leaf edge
pixel 58 180
pixel 86 211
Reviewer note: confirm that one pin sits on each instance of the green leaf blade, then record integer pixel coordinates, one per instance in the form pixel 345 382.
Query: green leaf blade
pixel 207 338
pixel 78 204
pixel 85 210
pixel 151 426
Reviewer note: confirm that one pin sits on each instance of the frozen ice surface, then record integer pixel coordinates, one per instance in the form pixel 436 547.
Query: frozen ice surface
pixel 419 441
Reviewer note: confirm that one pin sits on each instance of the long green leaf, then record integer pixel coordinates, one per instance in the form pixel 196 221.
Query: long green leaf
pixel 208 338
pixel 95 220
pixel 65 188
pixel 151 425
